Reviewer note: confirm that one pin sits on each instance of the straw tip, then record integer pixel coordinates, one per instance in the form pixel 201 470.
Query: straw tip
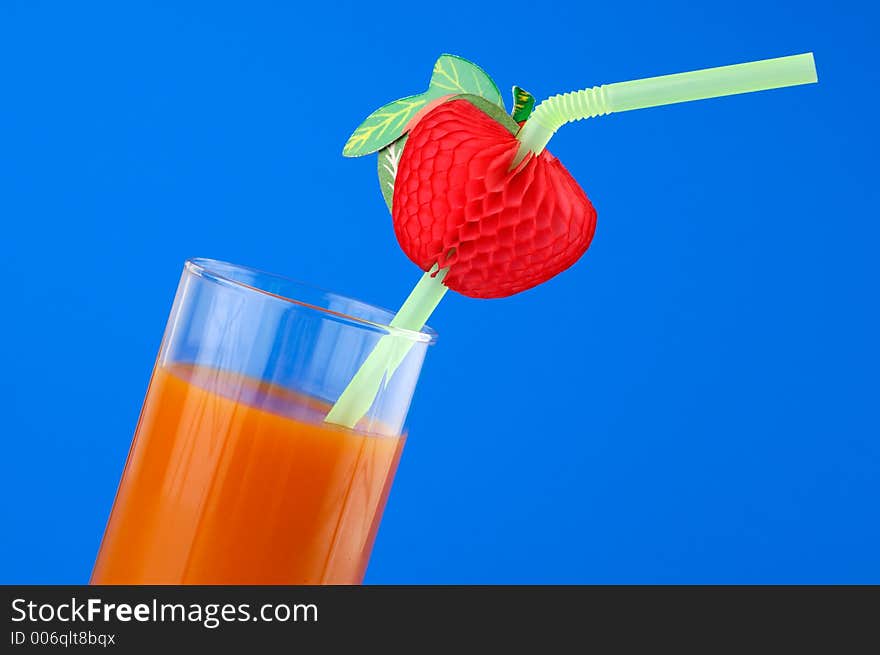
pixel 811 75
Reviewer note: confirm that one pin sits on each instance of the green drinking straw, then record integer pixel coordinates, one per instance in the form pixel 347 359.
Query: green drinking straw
pixel 558 110
pixel 548 117
pixel 387 355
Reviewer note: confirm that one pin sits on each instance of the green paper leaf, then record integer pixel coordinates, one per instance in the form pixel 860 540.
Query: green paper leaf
pixel 384 125
pixel 451 76
pixel 523 104
pixel 455 75
pixel 389 160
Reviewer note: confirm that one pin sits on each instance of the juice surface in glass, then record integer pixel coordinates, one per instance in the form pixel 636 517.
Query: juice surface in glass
pixel 235 481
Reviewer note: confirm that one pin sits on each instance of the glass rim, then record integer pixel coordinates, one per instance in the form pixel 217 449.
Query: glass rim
pixel 211 270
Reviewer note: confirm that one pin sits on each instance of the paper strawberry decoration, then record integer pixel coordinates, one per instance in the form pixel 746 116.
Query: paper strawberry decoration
pixel 479 203
pixel 457 204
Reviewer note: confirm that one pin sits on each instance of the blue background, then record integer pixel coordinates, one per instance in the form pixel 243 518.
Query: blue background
pixel 695 401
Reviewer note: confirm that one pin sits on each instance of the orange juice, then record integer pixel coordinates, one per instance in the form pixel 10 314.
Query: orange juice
pixel 234 481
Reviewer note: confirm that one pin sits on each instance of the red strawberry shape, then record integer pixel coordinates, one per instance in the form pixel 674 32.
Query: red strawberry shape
pixel 456 203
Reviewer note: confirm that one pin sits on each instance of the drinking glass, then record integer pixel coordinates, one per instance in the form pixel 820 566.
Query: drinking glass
pixel 233 476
